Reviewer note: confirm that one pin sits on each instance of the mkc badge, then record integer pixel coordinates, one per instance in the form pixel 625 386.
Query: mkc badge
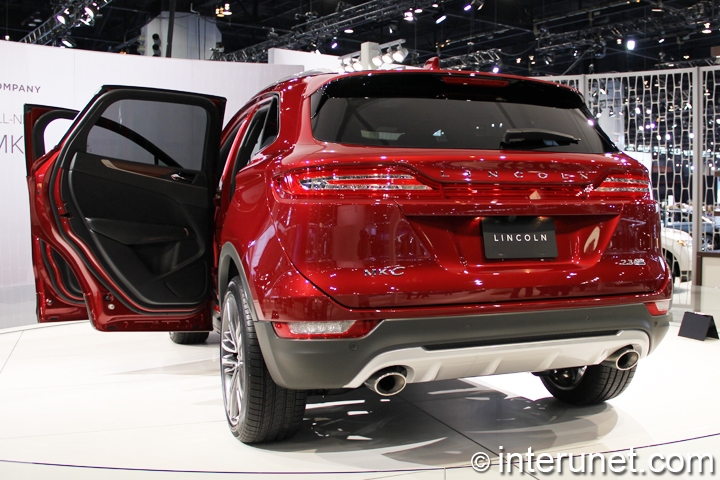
pixel 395 271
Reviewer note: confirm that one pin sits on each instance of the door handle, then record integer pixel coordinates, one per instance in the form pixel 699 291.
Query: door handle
pixel 180 177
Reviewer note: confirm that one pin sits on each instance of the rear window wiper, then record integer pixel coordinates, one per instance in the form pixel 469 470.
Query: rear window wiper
pixel 535 137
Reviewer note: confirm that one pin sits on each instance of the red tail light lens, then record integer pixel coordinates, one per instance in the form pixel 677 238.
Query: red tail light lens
pixel 630 185
pixel 372 182
pixel 324 330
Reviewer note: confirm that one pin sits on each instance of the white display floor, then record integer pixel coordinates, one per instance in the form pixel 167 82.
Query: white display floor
pixel 79 404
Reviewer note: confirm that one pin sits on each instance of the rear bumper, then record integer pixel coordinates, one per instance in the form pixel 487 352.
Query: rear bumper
pixel 455 347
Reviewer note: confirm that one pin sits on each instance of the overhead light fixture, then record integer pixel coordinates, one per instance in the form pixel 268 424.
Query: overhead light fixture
pixel 357 66
pixel 387 57
pixel 707 28
pixel 349 30
pixel 377 60
pixel 518 60
pixel 409 16
pixel 496 68
pixel 89 17
pixel 7 38
pixel 63 17
pixel 418 10
pixel 334 43
pixel 223 11
pixel 658 6
pixel 440 16
pixel 619 41
pixel 68 42
pixel 661 40
pixel 467 7
pixel 400 54
pixel 630 44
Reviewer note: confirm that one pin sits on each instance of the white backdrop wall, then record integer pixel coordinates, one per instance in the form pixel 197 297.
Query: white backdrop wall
pixel 69 78
pixel 311 60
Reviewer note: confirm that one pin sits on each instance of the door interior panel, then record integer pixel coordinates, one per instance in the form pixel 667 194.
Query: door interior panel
pixel 145 228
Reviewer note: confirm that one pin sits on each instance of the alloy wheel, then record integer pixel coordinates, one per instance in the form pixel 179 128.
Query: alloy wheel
pixel 232 361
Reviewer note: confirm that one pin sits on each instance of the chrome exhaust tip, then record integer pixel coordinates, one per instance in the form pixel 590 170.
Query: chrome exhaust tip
pixel 388 381
pixel 624 359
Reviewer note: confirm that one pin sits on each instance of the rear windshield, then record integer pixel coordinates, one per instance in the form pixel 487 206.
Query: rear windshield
pixel 426 110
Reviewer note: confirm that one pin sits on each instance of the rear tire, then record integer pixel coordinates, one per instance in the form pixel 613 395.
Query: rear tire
pixel 189 338
pixel 674 265
pixel 257 409
pixel 587 385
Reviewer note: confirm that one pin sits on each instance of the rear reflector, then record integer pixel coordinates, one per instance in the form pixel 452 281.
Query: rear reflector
pixel 659 307
pixel 372 181
pixel 323 330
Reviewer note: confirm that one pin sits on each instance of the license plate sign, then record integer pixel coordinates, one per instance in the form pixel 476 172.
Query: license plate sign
pixel 519 237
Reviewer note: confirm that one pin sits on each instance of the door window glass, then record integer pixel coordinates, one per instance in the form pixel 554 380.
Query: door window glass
pixel 151 132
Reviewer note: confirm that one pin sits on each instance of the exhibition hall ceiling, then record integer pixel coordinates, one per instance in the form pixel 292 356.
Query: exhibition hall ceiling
pixel 530 37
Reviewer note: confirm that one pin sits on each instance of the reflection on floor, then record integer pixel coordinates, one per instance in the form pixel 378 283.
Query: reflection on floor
pixel 79 404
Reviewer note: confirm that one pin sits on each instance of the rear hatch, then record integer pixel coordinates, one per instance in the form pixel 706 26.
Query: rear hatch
pixel 396 210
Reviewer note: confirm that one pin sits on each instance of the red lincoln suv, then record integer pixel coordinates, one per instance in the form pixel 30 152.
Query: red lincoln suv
pixel 355 229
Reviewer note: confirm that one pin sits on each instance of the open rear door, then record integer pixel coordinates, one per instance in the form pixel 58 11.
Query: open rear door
pixel 126 203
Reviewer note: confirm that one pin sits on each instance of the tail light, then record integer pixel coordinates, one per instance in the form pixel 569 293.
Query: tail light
pixel 324 330
pixel 630 185
pixel 659 307
pixel 357 182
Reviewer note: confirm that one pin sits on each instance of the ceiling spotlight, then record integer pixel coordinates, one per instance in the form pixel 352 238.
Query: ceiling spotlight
pixel 630 44
pixel 661 40
pixel 440 16
pixel 7 38
pixel 357 66
pixel 68 42
pixel 377 60
pixel 400 54
pixel 387 57
pixel 707 28
pixel 227 9
pixel 518 60
pixel 496 68
pixel 349 30
pixel 334 43
pixel 619 41
pixel 63 17
pixel 478 3
pixel 467 7
pixel 418 10
pixel 409 16
pixel 89 17
pixel 658 6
